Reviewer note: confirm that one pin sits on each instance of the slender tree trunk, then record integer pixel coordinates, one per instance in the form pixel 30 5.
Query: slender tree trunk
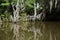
pixel 55 3
pixel 15 12
pixel 35 10
pixel 51 5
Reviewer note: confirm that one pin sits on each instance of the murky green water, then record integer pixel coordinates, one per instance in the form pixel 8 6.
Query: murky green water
pixel 30 31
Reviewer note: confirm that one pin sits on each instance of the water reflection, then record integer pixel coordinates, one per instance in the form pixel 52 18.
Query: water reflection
pixel 33 30
pixel 51 36
pixel 15 31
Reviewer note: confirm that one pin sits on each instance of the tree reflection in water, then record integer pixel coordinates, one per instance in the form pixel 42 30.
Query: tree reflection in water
pixel 29 31
pixel 15 31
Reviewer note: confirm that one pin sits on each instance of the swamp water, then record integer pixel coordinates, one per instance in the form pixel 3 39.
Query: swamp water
pixel 30 31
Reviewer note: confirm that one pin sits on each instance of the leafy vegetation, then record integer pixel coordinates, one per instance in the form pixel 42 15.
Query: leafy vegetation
pixel 25 7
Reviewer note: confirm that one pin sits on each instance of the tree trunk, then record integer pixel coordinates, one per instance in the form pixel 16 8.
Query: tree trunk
pixel 15 12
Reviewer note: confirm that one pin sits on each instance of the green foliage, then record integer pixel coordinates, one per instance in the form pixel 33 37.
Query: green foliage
pixel 14 2
pixel 30 3
pixel 4 4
